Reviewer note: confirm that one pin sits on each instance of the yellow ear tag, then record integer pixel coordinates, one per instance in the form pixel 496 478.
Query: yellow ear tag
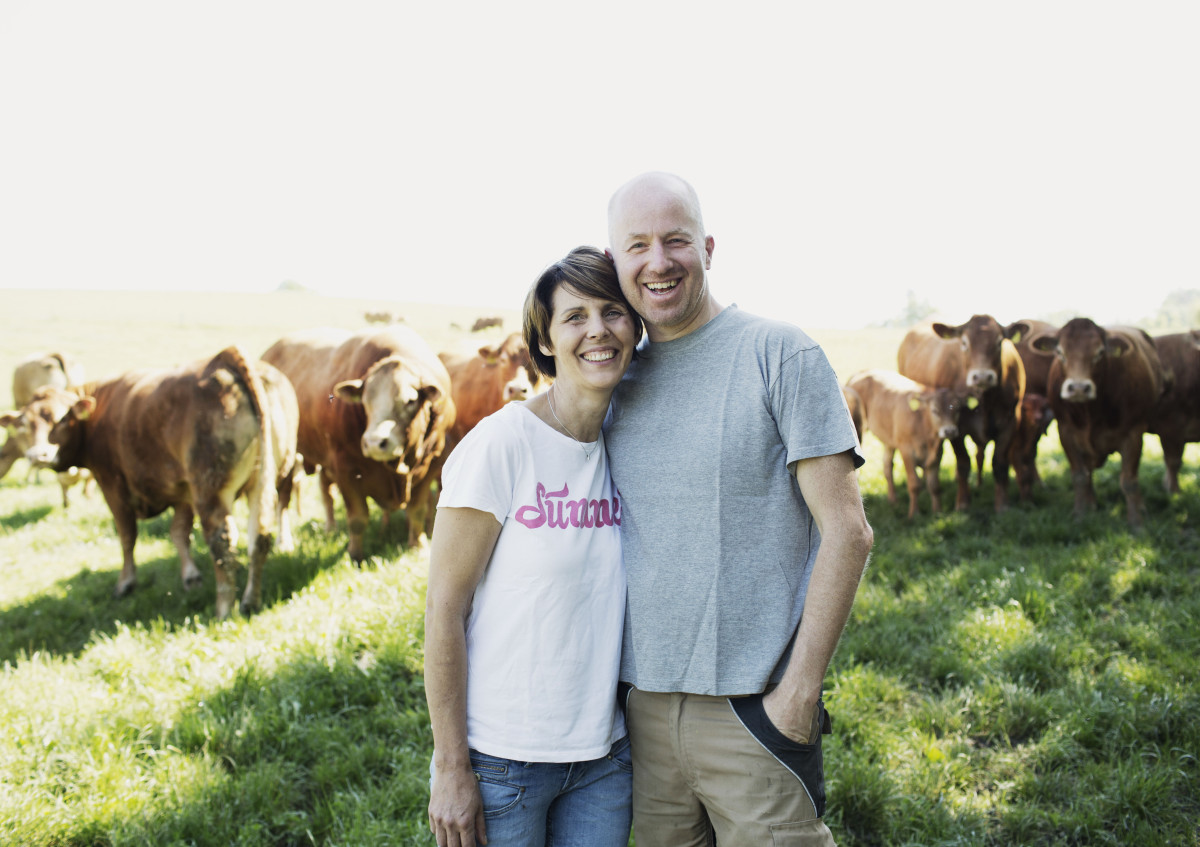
pixel 914 402
pixel 972 402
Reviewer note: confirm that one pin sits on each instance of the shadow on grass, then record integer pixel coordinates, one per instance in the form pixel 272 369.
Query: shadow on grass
pixel 65 619
pixel 23 517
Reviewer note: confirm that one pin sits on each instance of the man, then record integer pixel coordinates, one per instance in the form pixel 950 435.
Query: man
pixel 744 541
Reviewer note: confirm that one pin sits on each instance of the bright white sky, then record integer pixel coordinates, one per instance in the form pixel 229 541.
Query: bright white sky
pixel 1016 158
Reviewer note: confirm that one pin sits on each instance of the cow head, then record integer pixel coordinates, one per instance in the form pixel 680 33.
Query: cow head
pixel 1082 347
pixel 511 356
pixel 52 427
pixel 943 406
pixel 981 339
pixel 404 406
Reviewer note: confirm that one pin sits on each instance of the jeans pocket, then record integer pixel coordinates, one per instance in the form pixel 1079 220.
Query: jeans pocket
pixel 621 755
pixel 805 761
pixel 499 795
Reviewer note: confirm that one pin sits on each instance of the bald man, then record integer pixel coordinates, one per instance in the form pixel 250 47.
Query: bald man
pixel 744 541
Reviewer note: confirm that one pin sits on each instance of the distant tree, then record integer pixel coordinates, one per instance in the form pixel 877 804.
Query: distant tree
pixel 291 285
pixel 1179 310
pixel 915 310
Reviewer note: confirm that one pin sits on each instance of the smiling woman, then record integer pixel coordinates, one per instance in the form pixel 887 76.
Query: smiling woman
pixel 526 583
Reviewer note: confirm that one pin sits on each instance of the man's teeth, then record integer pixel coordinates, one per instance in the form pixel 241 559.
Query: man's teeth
pixel 599 357
pixel 662 286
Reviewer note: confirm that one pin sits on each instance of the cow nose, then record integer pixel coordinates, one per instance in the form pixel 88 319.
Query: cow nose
pixel 1078 390
pixel 41 455
pixel 982 378
pixel 381 443
pixel 949 432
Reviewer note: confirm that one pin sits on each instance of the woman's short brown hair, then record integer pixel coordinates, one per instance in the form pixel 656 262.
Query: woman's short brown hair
pixel 587 272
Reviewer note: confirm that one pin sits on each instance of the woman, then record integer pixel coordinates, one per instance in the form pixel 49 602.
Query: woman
pixel 526 594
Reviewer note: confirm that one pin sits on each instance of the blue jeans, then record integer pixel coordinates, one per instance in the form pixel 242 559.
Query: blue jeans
pixel 550 804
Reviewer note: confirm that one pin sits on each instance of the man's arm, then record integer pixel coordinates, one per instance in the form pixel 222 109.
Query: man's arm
pixel 830 488
pixel 462 545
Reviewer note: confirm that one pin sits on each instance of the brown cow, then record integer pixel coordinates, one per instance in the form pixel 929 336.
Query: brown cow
pixel 484 380
pixel 1104 384
pixel 910 418
pixel 22 430
pixel 975 359
pixel 56 370
pixel 854 405
pixel 1036 412
pixel 374 410
pixel 1176 418
pixel 192 438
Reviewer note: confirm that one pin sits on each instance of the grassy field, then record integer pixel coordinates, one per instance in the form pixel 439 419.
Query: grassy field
pixel 1016 679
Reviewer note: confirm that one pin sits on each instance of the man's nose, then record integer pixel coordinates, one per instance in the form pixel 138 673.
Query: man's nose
pixel 659 261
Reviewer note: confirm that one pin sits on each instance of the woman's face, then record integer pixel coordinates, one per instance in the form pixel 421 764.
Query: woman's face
pixel 592 340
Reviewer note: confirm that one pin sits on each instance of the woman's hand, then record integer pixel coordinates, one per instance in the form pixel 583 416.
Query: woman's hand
pixel 456 809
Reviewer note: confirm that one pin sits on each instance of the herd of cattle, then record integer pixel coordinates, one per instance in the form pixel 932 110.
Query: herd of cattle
pixel 377 412
pixel 374 412
pixel 1105 386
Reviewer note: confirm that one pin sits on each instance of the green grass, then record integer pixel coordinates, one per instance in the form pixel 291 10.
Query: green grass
pixel 1026 678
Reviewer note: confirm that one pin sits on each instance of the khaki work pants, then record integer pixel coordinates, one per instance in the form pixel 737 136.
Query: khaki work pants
pixel 700 778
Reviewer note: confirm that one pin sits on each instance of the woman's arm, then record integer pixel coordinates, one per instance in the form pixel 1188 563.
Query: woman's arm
pixel 463 540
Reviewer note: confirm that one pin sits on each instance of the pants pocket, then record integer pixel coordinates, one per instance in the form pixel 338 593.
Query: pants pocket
pixel 805 761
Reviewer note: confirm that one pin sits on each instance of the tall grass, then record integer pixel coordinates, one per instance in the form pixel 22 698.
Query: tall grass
pixel 1026 678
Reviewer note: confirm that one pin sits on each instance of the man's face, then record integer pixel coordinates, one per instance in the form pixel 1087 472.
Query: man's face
pixel 662 256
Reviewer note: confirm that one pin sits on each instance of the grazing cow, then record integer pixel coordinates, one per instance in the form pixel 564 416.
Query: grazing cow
pixel 1176 418
pixel 910 418
pixel 854 405
pixel 374 410
pixel 22 434
pixel 192 438
pixel 1104 385
pixel 487 323
pixel 55 370
pixel 974 359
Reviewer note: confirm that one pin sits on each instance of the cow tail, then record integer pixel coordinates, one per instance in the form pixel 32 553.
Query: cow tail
pixel 264 490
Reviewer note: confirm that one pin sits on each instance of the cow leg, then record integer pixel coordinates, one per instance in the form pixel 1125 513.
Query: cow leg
pixel 325 482
pixel 217 524
pixel 980 459
pixel 181 535
pixel 420 513
pixel 962 473
pixel 1172 450
pixel 65 481
pixel 357 514
pixel 914 484
pixel 1131 458
pixel 283 491
pixel 126 522
pixel 933 482
pixel 1000 462
pixel 889 457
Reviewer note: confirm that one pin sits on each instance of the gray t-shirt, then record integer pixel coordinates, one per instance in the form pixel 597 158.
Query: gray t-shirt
pixel 717 540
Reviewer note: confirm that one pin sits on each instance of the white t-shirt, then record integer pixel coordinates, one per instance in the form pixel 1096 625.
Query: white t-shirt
pixel 544 630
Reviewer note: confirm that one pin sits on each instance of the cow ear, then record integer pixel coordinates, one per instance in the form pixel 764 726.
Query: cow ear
pixel 1044 344
pixel 1016 331
pixel 84 407
pixel 349 391
pixel 491 355
pixel 1118 346
pixel 9 418
pixel 972 401
pixel 945 331
pixel 914 402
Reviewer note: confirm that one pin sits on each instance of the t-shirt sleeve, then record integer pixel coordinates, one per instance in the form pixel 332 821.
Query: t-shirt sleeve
pixel 481 473
pixel 810 409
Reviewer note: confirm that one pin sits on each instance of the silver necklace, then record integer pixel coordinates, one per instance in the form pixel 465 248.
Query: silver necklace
pixel 587 454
